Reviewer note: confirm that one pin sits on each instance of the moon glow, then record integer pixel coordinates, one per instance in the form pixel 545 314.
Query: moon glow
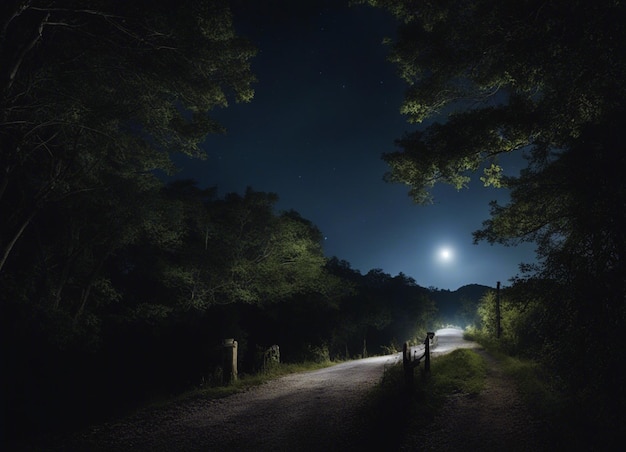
pixel 445 254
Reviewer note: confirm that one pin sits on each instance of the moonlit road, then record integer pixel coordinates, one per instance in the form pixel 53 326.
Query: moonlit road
pixel 449 339
pixel 310 411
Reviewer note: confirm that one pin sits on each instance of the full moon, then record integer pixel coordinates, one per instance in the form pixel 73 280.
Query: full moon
pixel 445 254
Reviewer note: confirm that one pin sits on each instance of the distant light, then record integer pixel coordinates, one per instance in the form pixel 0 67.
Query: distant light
pixel 445 255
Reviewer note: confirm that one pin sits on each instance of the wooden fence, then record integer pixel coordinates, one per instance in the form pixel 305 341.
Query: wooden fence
pixel 413 355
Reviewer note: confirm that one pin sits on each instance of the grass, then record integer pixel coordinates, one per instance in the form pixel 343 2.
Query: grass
pixel 570 421
pixel 462 371
pixel 393 407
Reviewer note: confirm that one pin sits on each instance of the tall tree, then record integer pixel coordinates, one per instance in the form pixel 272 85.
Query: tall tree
pixel 545 79
pixel 95 87
pixel 228 251
pixel 511 76
pixel 265 257
pixel 534 76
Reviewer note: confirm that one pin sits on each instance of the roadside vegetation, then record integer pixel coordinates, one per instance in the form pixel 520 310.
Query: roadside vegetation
pixel 565 422
pixel 574 412
pixel 393 406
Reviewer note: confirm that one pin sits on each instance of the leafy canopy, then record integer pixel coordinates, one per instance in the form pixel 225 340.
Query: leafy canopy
pixel 545 79
pixel 96 92
pixel 505 76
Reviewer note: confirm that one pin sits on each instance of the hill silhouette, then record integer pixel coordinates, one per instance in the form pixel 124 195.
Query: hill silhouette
pixel 459 307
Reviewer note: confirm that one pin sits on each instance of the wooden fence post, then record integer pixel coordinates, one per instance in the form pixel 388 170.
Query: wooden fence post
pixel 229 365
pixel 407 365
pixel 429 336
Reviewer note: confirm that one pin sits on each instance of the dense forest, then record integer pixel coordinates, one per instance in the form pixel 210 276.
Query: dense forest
pixel 116 286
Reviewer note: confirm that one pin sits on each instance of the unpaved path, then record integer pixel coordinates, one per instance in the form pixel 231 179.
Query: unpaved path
pixel 320 411
pixel 312 411
pixel 494 420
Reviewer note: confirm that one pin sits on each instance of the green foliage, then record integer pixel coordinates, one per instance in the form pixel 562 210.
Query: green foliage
pixel 102 267
pixel 393 409
pixel 458 307
pixel 522 323
pixel 545 80
pixel 263 258
pixel 381 310
pixel 95 97
pixel 498 70
pixel 462 371
pixel 565 417
pixel 315 354
pixel 566 380
pixel 391 349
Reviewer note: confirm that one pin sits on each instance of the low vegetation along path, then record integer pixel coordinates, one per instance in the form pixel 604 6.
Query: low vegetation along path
pixel 318 411
pixel 494 420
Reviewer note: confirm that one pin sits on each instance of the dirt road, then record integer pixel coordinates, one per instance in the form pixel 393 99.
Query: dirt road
pixel 494 420
pixel 320 411
pixel 312 411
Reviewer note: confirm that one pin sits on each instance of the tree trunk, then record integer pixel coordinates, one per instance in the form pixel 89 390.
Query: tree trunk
pixel 21 50
pixel 9 246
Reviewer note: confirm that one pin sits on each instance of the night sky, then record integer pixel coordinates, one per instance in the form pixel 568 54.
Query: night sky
pixel 326 107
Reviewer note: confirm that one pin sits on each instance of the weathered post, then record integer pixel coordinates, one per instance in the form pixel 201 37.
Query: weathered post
pixel 229 365
pixel 498 328
pixel 407 365
pixel 429 336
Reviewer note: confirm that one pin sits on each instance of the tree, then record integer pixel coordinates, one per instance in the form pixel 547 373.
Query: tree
pixel 511 76
pixel 264 257
pixel 545 79
pixel 234 250
pixel 542 77
pixel 104 87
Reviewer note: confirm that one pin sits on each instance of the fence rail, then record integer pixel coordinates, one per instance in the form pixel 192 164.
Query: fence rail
pixel 413 355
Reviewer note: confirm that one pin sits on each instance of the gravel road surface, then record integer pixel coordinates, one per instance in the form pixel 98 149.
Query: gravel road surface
pixel 321 411
pixel 311 411
pixel 495 420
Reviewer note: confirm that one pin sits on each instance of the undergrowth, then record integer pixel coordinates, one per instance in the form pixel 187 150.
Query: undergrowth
pixel 395 406
pixel 569 420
